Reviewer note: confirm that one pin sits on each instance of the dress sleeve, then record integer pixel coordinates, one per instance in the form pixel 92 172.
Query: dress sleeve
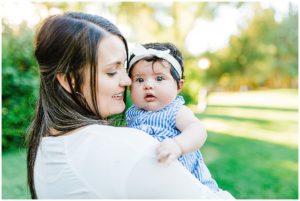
pixel 149 179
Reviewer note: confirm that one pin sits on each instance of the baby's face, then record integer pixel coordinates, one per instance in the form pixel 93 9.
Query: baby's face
pixel 152 88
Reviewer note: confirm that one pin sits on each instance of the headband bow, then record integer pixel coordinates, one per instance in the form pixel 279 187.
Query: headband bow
pixel 141 52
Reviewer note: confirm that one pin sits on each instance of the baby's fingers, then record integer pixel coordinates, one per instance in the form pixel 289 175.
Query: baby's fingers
pixel 162 156
pixel 170 158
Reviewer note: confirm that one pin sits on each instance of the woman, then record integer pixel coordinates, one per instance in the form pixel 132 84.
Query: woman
pixel 73 152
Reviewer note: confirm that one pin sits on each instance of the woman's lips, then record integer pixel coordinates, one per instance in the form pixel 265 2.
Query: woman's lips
pixel 118 96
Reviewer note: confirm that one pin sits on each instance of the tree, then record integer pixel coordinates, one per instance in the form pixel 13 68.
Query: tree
pixel 19 83
pixel 263 54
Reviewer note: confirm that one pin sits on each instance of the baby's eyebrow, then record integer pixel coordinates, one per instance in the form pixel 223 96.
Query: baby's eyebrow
pixel 136 75
pixel 160 73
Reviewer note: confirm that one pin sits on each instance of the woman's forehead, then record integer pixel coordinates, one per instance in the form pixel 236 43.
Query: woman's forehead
pixel 111 50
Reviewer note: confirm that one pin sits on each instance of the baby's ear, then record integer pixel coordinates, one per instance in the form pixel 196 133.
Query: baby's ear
pixel 180 85
pixel 62 79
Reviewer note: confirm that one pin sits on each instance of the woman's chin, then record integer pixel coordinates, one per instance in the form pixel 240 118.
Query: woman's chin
pixel 118 109
pixel 113 109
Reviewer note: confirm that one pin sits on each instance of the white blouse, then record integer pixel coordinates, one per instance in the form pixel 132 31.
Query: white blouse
pixel 109 162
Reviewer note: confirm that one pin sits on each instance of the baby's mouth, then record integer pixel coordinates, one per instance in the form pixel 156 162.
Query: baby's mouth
pixel 149 97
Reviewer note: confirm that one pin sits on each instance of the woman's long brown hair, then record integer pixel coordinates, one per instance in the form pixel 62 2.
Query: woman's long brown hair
pixel 65 44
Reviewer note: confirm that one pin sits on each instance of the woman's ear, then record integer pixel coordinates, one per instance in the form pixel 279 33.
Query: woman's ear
pixel 62 79
pixel 180 85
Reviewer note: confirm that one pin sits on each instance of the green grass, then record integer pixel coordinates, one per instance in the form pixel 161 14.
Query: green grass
pixel 251 150
pixel 14 180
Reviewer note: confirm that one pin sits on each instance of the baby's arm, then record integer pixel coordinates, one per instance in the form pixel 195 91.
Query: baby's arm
pixel 192 137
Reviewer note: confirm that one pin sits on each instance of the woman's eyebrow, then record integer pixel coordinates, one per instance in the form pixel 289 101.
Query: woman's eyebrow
pixel 112 63
pixel 115 63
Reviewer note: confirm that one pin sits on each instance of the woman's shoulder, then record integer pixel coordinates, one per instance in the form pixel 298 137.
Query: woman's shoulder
pixel 118 146
pixel 112 131
pixel 112 136
pixel 97 143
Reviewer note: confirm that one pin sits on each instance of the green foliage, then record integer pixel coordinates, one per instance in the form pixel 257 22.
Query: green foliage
pixel 19 84
pixel 263 54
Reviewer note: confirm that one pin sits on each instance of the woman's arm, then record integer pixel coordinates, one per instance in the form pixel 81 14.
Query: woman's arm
pixel 191 138
pixel 149 179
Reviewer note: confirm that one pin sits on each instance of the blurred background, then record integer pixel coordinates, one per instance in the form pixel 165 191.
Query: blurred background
pixel 241 80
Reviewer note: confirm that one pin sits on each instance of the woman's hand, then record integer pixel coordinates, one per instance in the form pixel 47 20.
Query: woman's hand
pixel 168 150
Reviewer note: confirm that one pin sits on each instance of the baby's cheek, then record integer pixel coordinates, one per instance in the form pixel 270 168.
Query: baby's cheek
pixel 135 90
pixel 135 95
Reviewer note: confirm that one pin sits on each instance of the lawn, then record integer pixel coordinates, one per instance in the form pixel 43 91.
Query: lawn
pixel 251 150
pixel 252 145
pixel 14 175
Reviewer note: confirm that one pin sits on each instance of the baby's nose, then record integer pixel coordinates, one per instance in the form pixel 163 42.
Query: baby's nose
pixel 148 84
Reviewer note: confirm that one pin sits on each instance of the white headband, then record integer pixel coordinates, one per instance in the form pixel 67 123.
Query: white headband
pixel 141 52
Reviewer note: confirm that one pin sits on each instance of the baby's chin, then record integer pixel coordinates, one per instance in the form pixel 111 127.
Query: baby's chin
pixel 153 108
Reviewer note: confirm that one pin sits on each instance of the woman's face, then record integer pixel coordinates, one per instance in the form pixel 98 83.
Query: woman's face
pixel 112 77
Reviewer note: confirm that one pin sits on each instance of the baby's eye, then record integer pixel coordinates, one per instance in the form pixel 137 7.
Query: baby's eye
pixel 159 78
pixel 139 80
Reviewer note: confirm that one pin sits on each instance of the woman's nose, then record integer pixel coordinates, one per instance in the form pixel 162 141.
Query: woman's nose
pixel 125 80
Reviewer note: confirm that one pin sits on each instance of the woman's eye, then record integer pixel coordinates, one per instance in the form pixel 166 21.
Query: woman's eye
pixel 139 80
pixel 111 74
pixel 159 78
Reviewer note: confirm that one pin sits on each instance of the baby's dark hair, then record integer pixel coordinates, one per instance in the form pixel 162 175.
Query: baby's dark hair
pixel 163 46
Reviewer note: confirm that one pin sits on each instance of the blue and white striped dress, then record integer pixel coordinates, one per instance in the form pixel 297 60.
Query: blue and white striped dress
pixel 161 125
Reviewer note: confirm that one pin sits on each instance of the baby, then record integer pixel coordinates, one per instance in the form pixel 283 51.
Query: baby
pixel 156 71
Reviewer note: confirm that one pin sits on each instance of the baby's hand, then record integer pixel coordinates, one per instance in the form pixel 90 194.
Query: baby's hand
pixel 168 150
